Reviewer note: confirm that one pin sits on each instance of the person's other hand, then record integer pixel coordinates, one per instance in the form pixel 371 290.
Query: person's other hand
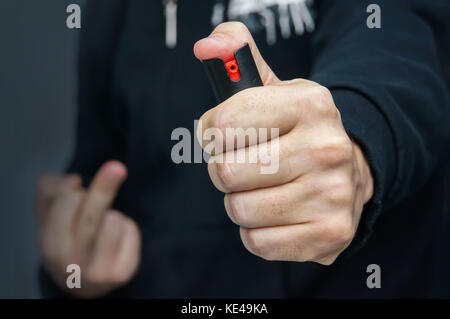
pixel 77 226
pixel 310 208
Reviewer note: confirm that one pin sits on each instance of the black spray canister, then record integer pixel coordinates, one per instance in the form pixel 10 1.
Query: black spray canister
pixel 234 75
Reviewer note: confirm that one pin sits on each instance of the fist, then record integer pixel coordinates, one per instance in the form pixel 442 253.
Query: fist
pixel 77 226
pixel 309 208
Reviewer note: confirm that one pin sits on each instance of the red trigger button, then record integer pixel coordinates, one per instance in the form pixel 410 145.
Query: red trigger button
pixel 233 70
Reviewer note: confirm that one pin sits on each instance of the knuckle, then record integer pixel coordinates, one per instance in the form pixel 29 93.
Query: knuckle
pixel 339 232
pixel 339 191
pixel 239 214
pixel 324 101
pixel 131 224
pixel 324 92
pixel 328 261
pixel 68 200
pixel 237 26
pixel 332 151
pixel 240 26
pixel 43 186
pixel 317 100
pixel 255 244
pixel 225 175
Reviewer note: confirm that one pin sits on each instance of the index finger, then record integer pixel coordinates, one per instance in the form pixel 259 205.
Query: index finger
pixel 248 112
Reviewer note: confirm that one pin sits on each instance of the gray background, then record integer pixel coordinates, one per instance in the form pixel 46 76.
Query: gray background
pixel 37 111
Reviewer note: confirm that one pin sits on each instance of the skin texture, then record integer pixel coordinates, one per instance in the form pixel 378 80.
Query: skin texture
pixel 310 209
pixel 77 226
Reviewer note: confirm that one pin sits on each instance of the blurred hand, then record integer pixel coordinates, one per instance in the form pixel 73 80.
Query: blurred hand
pixel 77 226
pixel 310 208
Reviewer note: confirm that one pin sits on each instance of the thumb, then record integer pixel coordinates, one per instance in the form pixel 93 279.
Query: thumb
pixel 225 40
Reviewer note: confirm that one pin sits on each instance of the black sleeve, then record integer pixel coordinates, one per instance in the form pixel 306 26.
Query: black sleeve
pixel 99 136
pixel 389 87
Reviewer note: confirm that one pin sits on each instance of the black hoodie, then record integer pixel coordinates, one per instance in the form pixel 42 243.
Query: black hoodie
pixel 391 86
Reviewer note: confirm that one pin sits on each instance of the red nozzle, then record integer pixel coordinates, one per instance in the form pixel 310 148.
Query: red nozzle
pixel 233 70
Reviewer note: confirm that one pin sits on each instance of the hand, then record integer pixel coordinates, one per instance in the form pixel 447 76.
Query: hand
pixel 77 226
pixel 309 209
